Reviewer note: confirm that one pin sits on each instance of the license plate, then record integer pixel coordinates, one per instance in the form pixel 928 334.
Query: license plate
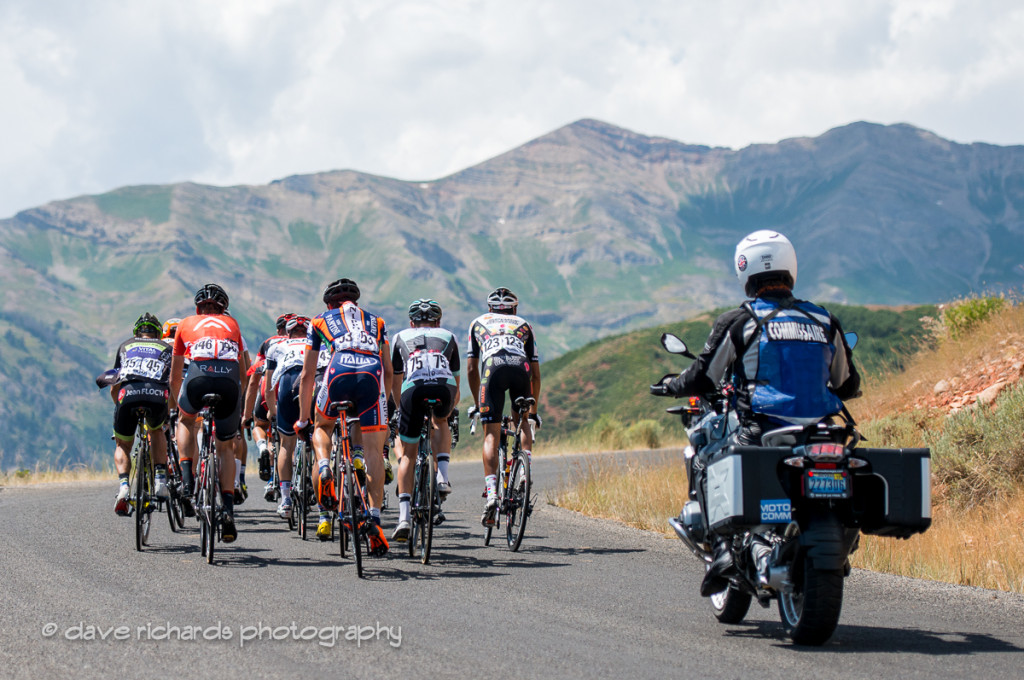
pixel 826 484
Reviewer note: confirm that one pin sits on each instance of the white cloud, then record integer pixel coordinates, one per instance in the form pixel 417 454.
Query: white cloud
pixel 111 92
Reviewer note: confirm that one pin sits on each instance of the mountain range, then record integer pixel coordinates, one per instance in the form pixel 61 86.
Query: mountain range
pixel 598 229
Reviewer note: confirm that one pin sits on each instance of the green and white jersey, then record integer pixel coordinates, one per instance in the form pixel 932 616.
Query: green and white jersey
pixel 425 355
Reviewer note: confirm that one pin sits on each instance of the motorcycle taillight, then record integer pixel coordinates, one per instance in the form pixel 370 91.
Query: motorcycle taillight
pixel 824 452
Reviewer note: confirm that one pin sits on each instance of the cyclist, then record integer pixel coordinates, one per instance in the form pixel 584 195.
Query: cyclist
pixel 254 413
pixel 360 372
pixel 213 343
pixel 143 365
pixel 504 347
pixel 284 364
pixel 788 360
pixel 170 328
pixel 426 366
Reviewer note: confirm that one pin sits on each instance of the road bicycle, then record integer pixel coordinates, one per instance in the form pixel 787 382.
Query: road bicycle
pixel 175 509
pixel 352 513
pixel 208 507
pixel 514 482
pixel 302 487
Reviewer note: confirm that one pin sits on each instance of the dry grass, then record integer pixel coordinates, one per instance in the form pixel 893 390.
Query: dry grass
pixel 46 475
pixel 981 546
pixel 642 496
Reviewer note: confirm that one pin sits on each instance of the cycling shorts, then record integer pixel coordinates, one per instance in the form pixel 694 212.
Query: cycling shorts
pixel 413 410
pixel 215 376
pixel 362 386
pixel 260 411
pixel 135 394
pixel 288 400
pixel 513 378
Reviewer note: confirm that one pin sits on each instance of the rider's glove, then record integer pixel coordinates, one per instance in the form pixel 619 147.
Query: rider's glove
pixel 303 428
pixel 535 417
pixel 247 423
pixel 472 412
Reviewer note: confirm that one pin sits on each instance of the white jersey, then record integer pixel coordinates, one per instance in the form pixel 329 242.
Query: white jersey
pixel 285 355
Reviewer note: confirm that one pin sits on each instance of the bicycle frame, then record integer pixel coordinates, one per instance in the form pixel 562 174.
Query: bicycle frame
pixel 208 484
pixel 353 504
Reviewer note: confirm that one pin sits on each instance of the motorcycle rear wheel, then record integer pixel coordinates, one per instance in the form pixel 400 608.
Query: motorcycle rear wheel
pixel 810 612
pixel 730 605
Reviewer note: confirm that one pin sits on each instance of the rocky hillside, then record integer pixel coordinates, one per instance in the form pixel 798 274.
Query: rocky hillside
pixel 598 229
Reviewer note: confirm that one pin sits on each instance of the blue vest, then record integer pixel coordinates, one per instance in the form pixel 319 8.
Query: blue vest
pixel 793 363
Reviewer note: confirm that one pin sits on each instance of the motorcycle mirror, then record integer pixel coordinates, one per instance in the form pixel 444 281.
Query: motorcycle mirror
pixel 674 344
pixel 851 340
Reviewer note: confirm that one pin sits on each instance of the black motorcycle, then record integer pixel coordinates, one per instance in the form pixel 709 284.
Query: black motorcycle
pixel 791 510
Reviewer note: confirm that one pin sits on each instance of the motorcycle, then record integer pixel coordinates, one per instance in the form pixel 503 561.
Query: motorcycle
pixel 791 510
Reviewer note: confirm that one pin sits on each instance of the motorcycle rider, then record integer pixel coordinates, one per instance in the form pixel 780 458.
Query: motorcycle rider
pixel 787 359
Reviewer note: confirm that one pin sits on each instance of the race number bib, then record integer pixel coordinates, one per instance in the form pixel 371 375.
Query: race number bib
pixel 360 341
pixel 509 344
pixel 143 367
pixel 214 348
pixel 428 365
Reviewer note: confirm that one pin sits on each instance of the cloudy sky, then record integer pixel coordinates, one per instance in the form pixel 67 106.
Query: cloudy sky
pixel 100 94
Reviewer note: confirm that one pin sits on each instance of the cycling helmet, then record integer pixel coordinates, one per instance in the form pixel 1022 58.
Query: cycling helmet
pixel 502 300
pixel 211 292
pixel 147 322
pixel 342 290
pixel 763 255
pixel 283 320
pixel 425 310
pixel 171 327
pixel 296 321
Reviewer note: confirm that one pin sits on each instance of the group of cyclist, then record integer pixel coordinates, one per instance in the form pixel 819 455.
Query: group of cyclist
pixel 291 390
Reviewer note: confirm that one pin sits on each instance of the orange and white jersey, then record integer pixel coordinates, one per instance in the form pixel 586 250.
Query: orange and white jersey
pixel 209 337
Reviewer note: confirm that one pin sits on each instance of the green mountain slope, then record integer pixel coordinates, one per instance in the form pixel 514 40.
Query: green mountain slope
pixel 600 231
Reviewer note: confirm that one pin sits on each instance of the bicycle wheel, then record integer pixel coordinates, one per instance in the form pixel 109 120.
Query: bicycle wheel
pixel 354 516
pixel 416 506
pixel 517 502
pixel 211 494
pixel 299 507
pixel 175 514
pixel 297 457
pixel 429 490
pixel 200 503
pixel 143 489
pixel 501 492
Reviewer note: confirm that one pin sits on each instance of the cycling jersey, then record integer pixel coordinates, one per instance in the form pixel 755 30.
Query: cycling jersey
pixel 209 337
pixel 428 358
pixel 357 339
pixel 505 346
pixel 284 356
pixel 143 359
pixel 425 355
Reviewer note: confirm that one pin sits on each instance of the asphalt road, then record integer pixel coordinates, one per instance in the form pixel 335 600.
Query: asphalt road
pixel 583 598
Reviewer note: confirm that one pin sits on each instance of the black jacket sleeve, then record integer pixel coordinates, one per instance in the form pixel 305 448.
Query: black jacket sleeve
pixel 843 373
pixel 714 364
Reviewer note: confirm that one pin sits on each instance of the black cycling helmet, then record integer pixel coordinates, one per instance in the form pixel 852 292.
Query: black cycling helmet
pixel 502 300
pixel 425 310
pixel 147 322
pixel 283 320
pixel 211 292
pixel 342 290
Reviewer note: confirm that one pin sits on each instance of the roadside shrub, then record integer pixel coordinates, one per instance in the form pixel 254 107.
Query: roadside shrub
pixel 962 316
pixel 645 433
pixel 608 433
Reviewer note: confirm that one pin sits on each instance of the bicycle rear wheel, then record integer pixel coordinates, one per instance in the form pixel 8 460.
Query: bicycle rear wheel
pixel 355 513
pixel 517 503
pixel 429 491
pixel 143 493
pixel 175 514
pixel 211 493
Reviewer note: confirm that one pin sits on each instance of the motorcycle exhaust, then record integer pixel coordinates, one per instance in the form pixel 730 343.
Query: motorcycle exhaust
pixel 684 535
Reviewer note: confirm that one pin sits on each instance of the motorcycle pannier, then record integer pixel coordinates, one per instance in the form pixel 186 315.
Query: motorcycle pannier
pixel 893 498
pixel 744 489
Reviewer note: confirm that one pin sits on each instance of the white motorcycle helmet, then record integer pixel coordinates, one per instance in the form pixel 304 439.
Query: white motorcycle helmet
pixel 761 254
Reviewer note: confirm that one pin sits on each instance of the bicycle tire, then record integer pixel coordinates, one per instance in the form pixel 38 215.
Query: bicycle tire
pixel 211 492
pixel 175 513
pixel 414 504
pixel 430 489
pixel 296 472
pixel 502 457
pixel 299 509
pixel 517 502
pixel 350 492
pixel 143 519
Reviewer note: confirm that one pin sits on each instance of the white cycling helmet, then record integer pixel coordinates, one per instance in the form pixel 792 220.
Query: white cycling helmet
pixel 762 254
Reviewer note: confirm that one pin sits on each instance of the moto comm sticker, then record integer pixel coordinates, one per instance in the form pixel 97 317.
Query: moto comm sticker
pixel 775 511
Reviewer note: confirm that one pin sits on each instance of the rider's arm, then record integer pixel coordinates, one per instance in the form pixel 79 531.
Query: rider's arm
pixel 535 383
pixel 843 374
pixel 389 373
pixel 177 363
pixel 307 379
pixel 714 364
pixel 243 368
pixel 272 395
pixel 250 397
pixel 473 378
